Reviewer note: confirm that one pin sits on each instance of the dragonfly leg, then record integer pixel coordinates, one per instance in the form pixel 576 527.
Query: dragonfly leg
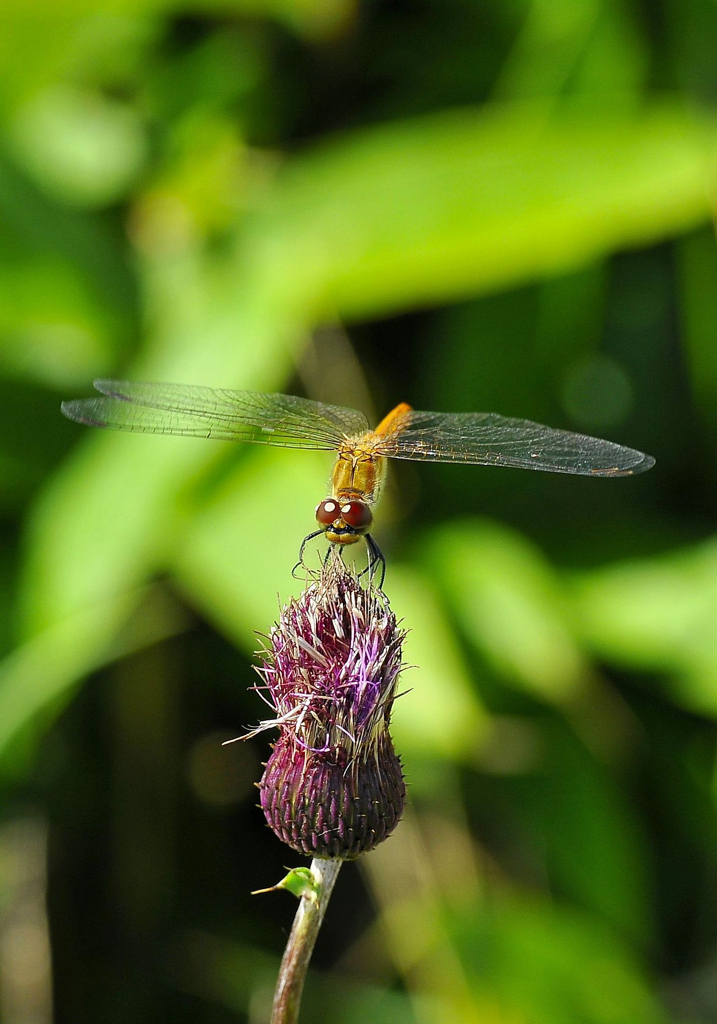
pixel 375 557
pixel 300 564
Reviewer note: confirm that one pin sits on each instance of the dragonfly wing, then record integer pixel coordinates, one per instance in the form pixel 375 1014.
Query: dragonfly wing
pixel 281 420
pixel 487 439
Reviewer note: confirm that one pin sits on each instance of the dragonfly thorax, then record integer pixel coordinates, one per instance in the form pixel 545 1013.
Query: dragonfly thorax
pixel 358 473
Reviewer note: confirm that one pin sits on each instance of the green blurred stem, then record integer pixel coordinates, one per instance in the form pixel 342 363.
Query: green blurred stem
pixel 300 946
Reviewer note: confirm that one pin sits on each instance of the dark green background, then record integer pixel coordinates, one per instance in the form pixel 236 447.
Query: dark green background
pixel 466 206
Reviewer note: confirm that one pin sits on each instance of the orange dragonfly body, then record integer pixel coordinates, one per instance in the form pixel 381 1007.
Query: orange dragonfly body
pixel 356 481
pixel 361 453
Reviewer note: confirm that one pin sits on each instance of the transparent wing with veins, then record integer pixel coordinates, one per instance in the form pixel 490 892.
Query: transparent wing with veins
pixel 281 420
pixel 487 439
pixel 286 421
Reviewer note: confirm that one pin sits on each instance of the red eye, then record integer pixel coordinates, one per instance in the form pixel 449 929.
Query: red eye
pixel 356 514
pixel 327 511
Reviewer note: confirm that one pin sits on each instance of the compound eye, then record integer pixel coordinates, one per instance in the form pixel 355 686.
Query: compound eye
pixel 326 511
pixel 356 514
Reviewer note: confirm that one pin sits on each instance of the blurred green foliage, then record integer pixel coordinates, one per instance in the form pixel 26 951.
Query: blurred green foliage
pixel 465 206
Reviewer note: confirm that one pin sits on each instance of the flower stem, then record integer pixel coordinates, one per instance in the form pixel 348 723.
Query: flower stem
pixel 300 946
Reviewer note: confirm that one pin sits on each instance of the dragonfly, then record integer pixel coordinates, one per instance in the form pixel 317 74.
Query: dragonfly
pixel 361 454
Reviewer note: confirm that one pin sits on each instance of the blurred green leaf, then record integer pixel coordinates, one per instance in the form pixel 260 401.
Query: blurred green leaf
pixel 236 558
pixel 314 18
pixel 510 605
pixel 657 615
pixel 212 176
pixel 37 679
pixel 61 271
pixel 615 61
pixel 552 39
pixel 442 713
pixel 52 328
pixel 442 207
pixel 698 283
pixel 589 835
pixel 570 970
pixel 566 52
pixel 79 146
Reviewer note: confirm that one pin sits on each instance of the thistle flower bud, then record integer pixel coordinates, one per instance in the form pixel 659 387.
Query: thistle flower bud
pixel 333 786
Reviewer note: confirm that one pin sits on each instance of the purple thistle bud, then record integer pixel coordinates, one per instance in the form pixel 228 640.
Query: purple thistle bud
pixel 333 786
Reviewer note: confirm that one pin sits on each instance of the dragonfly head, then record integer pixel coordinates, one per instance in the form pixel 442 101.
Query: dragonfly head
pixel 343 520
